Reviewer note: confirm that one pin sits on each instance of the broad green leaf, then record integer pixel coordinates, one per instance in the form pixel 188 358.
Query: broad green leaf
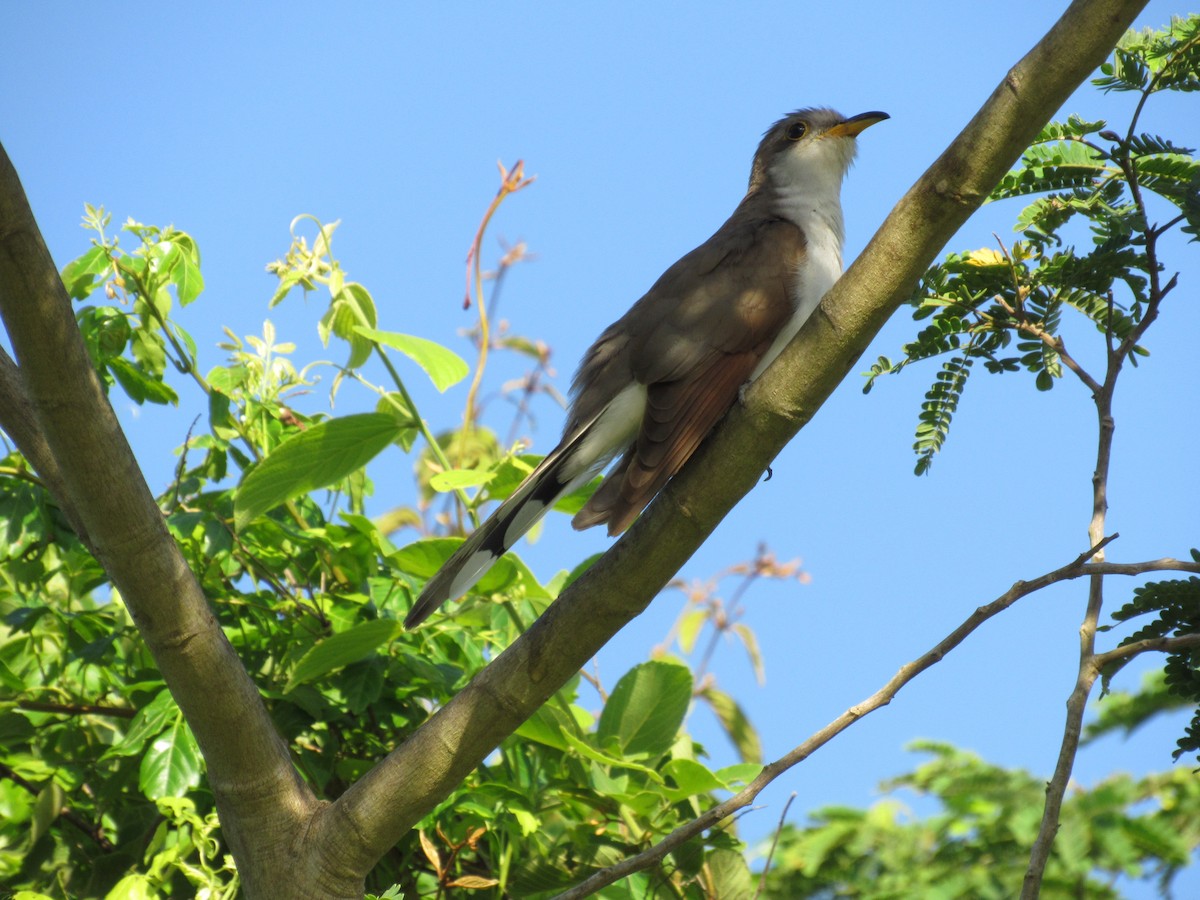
pixel 49 804
pixel 409 428
pixel 690 624
pixel 587 751
pixel 690 778
pixel 342 649
pixel 187 279
pixel 361 684
pixel 352 307
pixel 80 275
pixel 139 386
pixel 546 726
pixel 646 708
pixel 739 774
pixel 359 300
pixel 454 479
pixel 423 558
pixel 731 879
pixel 9 679
pixel 526 820
pixel 131 887
pixel 172 765
pixel 735 723
pixel 444 367
pixel 146 723
pixel 324 453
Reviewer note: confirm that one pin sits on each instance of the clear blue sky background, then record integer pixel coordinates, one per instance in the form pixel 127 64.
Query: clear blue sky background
pixel 639 121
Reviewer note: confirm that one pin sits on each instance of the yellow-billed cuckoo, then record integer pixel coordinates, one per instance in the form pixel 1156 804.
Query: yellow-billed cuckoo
pixel 660 377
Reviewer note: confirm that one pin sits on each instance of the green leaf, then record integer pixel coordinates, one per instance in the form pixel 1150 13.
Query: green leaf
pixel 188 281
pixel 149 720
pixel 444 367
pixel 352 307
pixel 362 684
pixel 750 642
pixel 454 479
pixel 139 386
pixel 131 887
pixel 587 751
pixel 731 879
pixel 9 678
pixel 690 624
pixel 80 276
pixel 173 764
pixel 314 458
pixel 46 807
pixel 646 708
pixel 342 649
pixel 546 726
pixel 739 774
pixel 423 558
pixel 690 778
pixel 736 724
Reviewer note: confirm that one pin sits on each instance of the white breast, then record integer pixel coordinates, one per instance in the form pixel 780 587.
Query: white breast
pixel 822 266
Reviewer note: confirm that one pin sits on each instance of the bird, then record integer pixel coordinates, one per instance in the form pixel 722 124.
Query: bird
pixel 658 379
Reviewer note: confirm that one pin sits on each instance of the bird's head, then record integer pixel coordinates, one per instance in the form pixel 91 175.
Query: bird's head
pixel 811 149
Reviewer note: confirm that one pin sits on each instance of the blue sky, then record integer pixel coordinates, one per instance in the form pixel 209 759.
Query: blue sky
pixel 639 122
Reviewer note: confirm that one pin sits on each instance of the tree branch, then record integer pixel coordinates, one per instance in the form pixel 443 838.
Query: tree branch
pixel 249 767
pixel 78 709
pixel 19 421
pixel 1165 564
pixel 1129 651
pixel 405 786
pixel 1088 670
pixel 1074 569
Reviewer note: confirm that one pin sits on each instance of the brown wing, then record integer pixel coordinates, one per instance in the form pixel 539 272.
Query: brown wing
pixel 693 340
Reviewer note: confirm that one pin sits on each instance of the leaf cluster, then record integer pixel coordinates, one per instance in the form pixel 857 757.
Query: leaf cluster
pixel 976 843
pixel 1173 608
pixel 1007 308
pixel 131 337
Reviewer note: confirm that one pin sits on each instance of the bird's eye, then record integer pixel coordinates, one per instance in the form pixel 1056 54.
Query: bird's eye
pixel 797 131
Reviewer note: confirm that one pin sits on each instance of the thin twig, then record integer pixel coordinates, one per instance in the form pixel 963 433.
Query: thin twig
pixel 78 709
pixel 1126 652
pixel 762 879
pixel 94 832
pixel 1089 670
pixel 1074 569
pixel 1053 341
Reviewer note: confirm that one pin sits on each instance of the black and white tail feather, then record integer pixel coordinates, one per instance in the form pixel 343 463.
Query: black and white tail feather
pixel 560 473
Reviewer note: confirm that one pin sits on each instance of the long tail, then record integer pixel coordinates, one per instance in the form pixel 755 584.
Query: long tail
pixel 557 475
